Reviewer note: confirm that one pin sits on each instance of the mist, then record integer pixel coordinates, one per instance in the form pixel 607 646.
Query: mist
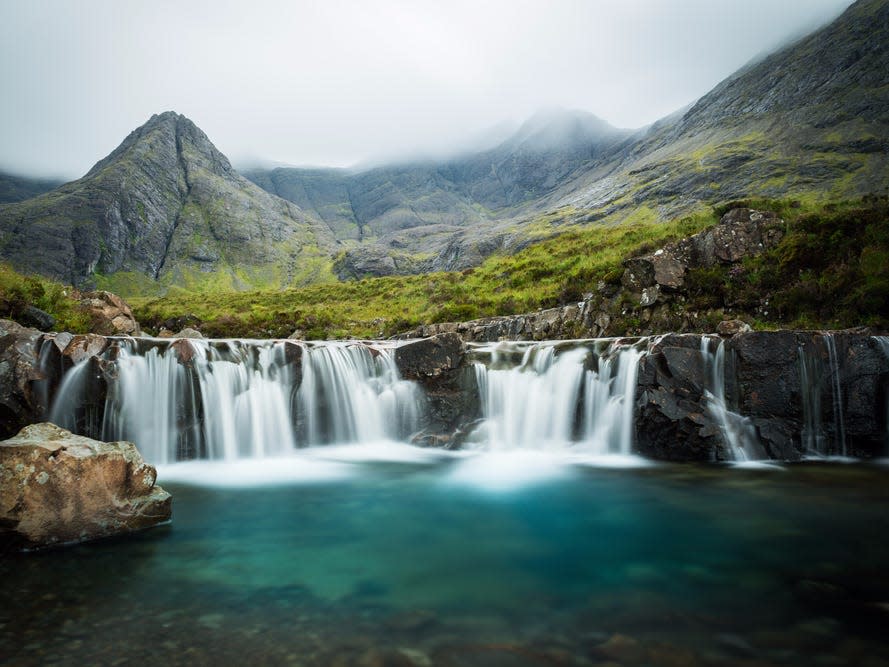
pixel 342 83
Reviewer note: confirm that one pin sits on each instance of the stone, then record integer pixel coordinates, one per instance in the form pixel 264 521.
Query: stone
pixel 111 315
pixel 20 402
pixel 85 346
pixel 58 488
pixel 729 328
pixel 429 357
pixel 32 316
pixel 188 332
pixel 649 296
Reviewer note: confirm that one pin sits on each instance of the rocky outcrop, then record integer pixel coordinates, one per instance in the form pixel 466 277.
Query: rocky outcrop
pixel 111 315
pixel 438 365
pixel 842 397
pixel 742 232
pixel 164 206
pixel 652 294
pixel 58 488
pixel 21 401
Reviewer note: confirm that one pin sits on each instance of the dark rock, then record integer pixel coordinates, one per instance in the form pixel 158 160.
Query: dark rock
pixel 20 401
pixel 58 488
pixel 32 316
pixel 429 357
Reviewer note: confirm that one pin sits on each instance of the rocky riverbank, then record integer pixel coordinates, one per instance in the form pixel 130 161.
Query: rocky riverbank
pixel 788 393
pixel 58 488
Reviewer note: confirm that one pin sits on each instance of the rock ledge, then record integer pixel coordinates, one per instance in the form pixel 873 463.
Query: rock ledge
pixel 59 488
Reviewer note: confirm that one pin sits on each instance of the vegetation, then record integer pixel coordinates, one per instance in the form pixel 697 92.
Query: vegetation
pixel 830 270
pixel 17 292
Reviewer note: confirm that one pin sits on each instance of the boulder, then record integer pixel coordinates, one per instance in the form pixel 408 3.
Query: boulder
pixel 111 315
pixel 58 488
pixel 33 316
pixel 85 346
pixel 438 365
pixel 20 374
pixel 429 357
pixel 188 332
pixel 729 328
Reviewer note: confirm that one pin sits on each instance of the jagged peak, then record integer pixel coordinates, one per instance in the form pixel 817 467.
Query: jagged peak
pixel 174 128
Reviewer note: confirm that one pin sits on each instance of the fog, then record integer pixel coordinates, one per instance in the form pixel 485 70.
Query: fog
pixel 336 83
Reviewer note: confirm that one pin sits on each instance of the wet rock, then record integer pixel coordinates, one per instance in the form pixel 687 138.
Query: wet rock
pixel 430 357
pixel 20 401
pixel 58 488
pixel 729 328
pixel 184 350
pixel 111 315
pixel 85 346
pixel 32 316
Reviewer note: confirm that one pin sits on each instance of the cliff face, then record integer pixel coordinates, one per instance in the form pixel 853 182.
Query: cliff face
pixel 165 206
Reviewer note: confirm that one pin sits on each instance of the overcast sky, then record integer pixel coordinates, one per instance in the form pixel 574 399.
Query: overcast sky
pixel 337 82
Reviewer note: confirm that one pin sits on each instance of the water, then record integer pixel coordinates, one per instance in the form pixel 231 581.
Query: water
pixel 557 397
pixel 883 343
pixel 238 399
pixel 738 432
pixel 352 555
pixel 816 378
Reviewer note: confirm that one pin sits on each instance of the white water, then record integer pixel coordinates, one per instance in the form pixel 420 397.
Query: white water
pixel 239 399
pixel 883 343
pixel 836 393
pixel 738 432
pixel 815 378
pixel 552 401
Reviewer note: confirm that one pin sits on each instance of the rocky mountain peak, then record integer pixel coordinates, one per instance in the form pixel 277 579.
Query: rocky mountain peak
pixel 165 205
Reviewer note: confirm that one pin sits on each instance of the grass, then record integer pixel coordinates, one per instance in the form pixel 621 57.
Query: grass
pixel 17 292
pixel 557 270
pixel 831 270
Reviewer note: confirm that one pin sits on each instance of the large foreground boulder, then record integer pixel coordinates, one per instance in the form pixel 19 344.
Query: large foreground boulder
pixel 59 488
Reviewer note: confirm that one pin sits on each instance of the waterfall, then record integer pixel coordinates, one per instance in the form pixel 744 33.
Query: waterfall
pixel 812 436
pixel 883 343
pixel 836 393
pixel 815 376
pixel 353 392
pixel 225 400
pixel 738 432
pixel 552 399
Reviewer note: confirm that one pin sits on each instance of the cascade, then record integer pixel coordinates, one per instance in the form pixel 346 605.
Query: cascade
pixel 836 393
pixel 738 432
pixel 883 343
pixel 816 377
pixel 557 396
pixel 813 437
pixel 234 399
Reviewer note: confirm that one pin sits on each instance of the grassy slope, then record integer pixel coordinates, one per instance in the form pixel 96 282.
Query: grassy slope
pixel 832 269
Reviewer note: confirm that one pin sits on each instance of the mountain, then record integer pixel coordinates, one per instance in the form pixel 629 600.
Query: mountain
pixel 16 188
pixel 401 218
pixel 164 209
pixel 167 209
pixel 811 120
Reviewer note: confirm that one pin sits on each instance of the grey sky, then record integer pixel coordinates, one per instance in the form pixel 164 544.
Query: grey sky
pixel 336 82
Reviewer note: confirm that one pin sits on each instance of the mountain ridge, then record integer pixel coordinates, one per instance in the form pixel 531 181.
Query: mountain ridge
pixel 166 208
